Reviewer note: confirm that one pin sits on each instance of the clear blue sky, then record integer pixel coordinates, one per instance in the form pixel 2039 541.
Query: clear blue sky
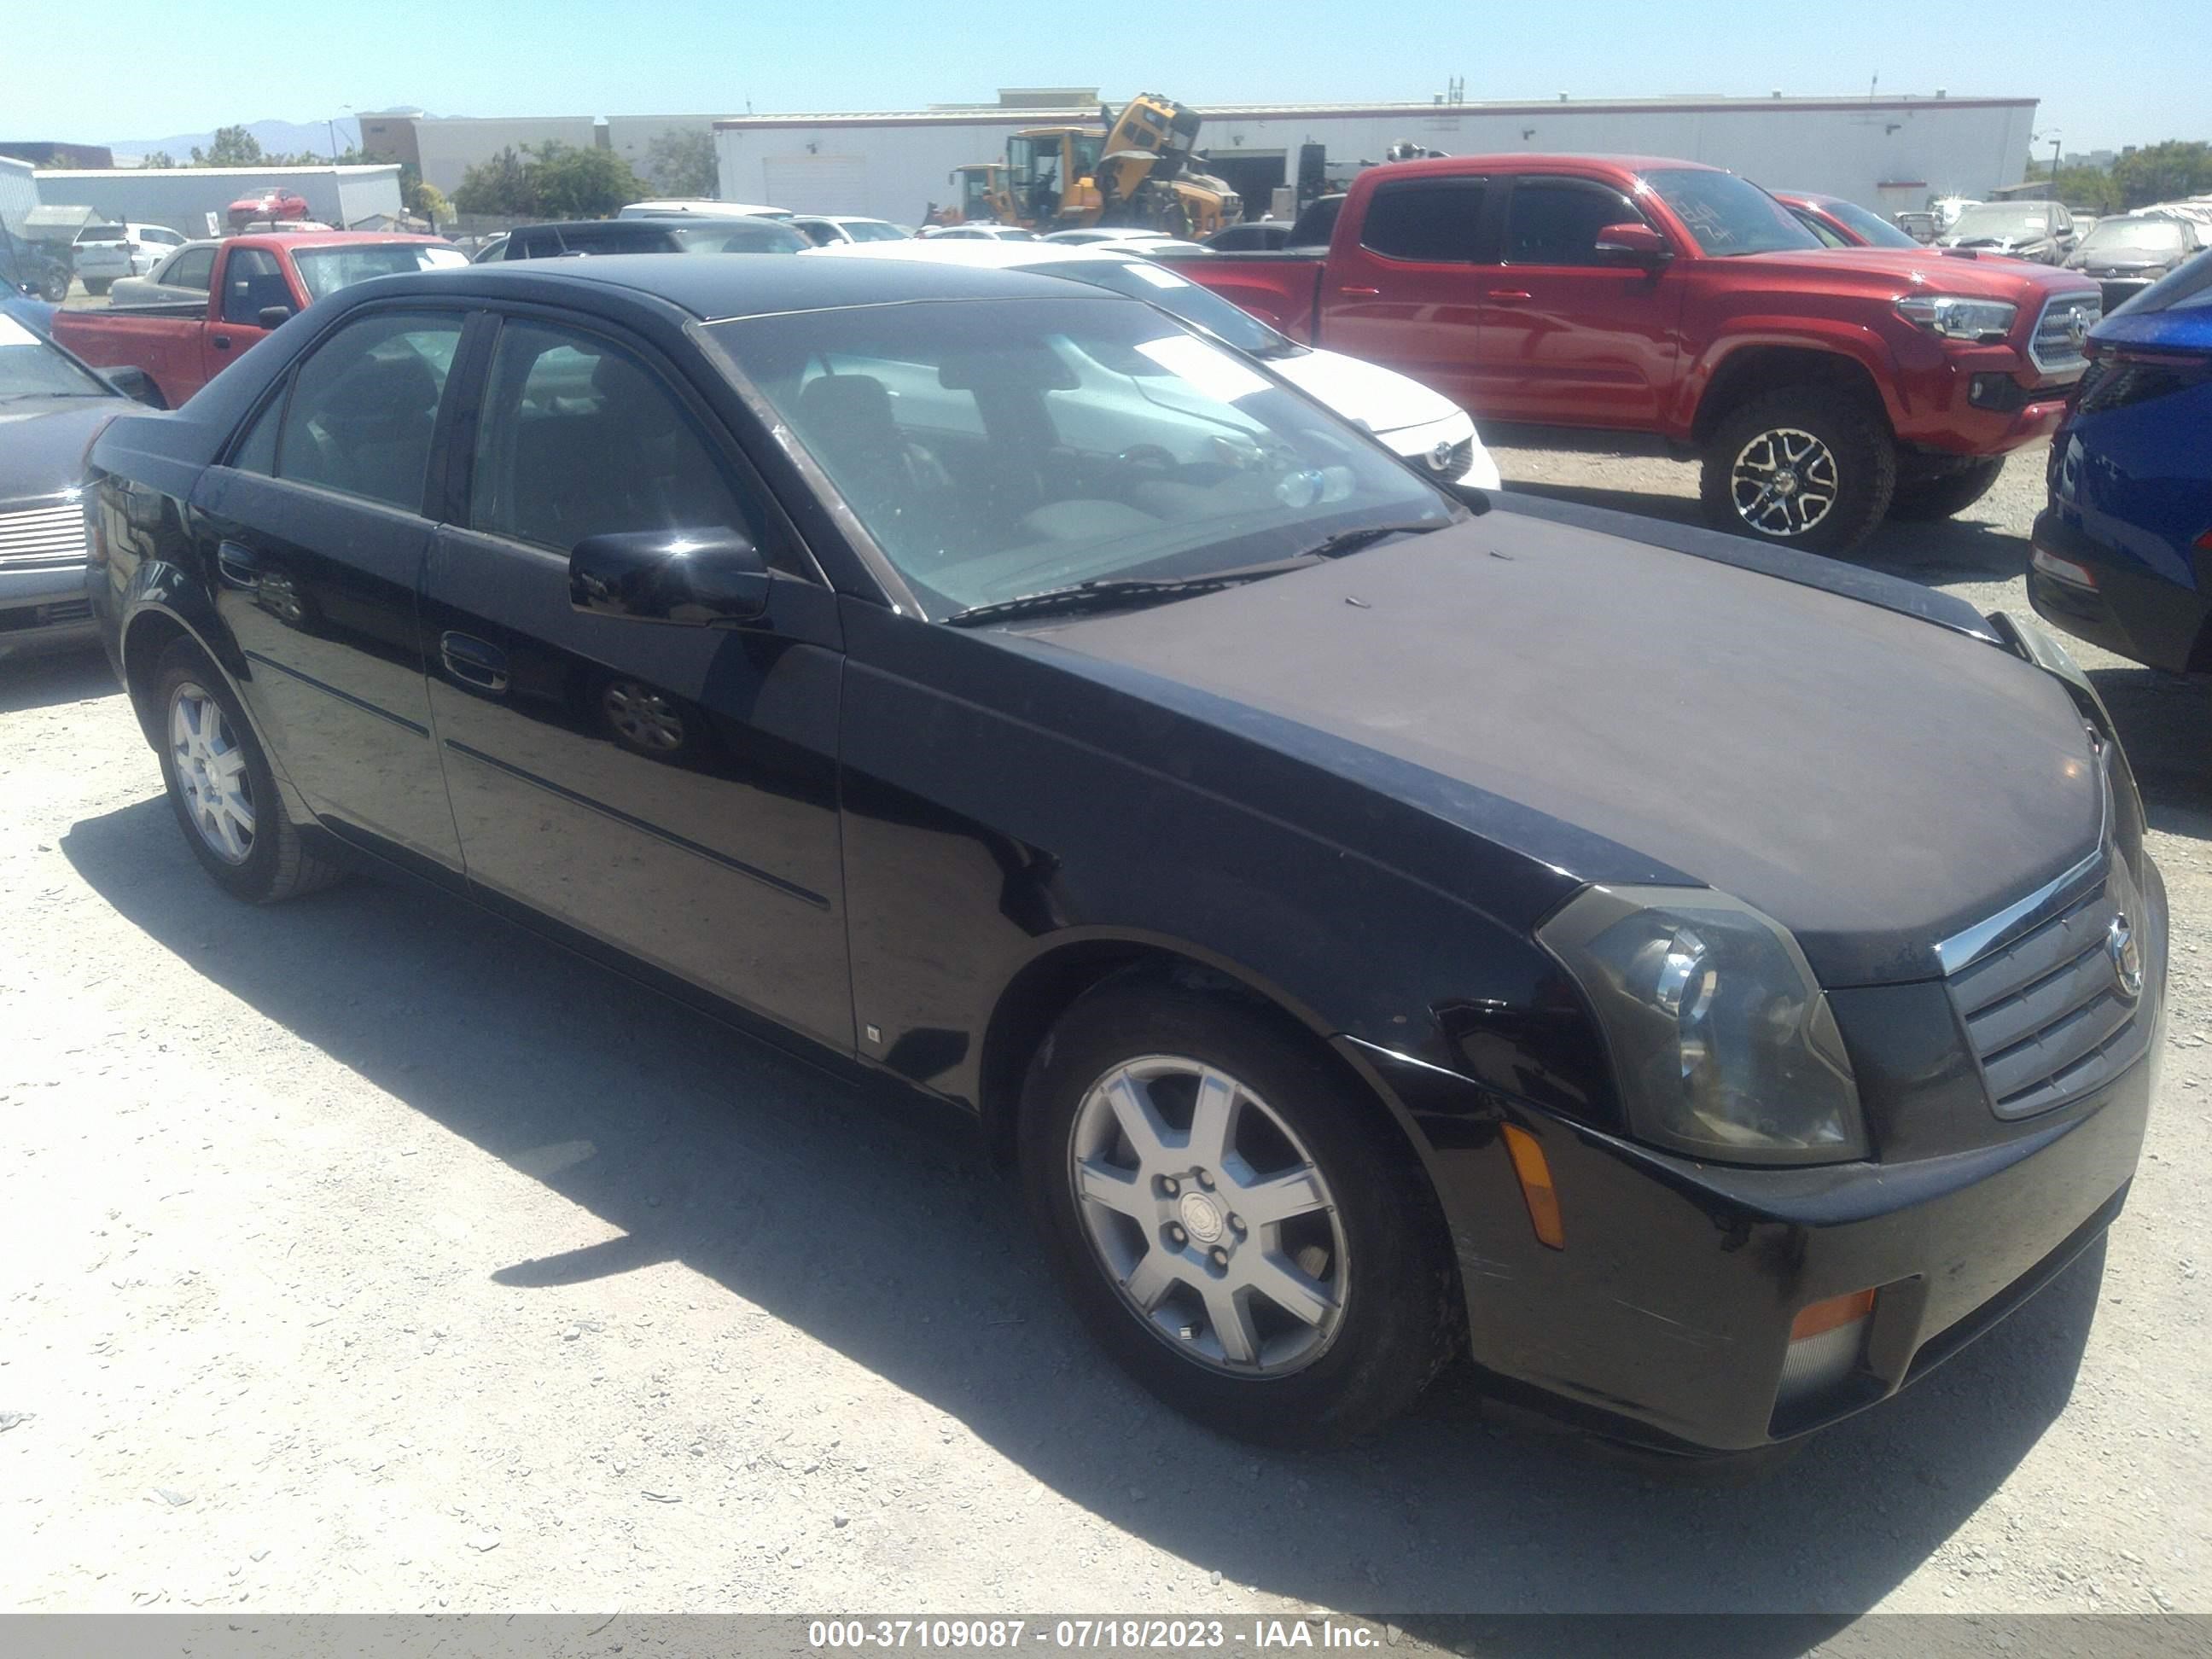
pixel 2123 71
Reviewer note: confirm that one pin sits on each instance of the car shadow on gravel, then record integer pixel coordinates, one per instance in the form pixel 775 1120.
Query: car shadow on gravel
pixel 45 678
pixel 876 1227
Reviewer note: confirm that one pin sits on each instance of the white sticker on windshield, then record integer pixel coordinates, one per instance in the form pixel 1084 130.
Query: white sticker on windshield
pixel 1157 278
pixel 2037 221
pixel 14 333
pixel 1208 369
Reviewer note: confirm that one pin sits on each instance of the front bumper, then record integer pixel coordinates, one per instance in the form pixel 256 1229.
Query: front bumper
pixel 1665 1321
pixel 43 608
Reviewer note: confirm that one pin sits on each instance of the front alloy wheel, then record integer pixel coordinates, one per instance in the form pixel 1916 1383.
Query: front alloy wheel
pixel 1237 1220
pixel 1209 1215
pixel 1809 466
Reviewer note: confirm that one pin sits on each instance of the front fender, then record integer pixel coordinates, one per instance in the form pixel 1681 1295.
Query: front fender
pixel 1889 366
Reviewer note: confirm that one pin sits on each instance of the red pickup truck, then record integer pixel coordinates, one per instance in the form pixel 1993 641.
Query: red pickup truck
pixel 252 284
pixel 1822 387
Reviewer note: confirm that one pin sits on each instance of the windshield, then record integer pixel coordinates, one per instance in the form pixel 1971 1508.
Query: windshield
pixel 764 238
pixel 1727 216
pixel 999 448
pixel 2134 235
pixel 1155 285
pixel 327 269
pixel 1877 231
pixel 33 368
pixel 2002 219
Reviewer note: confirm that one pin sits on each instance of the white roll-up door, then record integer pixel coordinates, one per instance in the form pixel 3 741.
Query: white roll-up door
pixel 816 184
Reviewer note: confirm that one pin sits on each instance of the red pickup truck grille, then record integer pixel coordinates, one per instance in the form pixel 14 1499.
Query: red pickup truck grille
pixel 42 537
pixel 2062 333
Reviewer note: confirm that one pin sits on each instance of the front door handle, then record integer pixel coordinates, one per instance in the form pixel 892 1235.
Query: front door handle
pixel 1510 296
pixel 1361 293
pixel 237 566
pixel 472 661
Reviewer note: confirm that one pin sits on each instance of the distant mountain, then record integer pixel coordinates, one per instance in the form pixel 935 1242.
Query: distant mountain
pixel 277 137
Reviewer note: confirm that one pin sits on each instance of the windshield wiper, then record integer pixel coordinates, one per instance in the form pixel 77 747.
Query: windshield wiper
pixel 1115 593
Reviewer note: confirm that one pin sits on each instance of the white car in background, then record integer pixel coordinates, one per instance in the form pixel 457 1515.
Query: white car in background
pixel 823 229
pixel 976 233
pixel 677 207
pixel 1421 426
pixel 103 254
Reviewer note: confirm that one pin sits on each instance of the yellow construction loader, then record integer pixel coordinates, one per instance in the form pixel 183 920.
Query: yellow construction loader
pixel 980 187
pixel 1132 170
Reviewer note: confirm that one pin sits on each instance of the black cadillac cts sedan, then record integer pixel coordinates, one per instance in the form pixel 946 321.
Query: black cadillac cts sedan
pixel 1708 985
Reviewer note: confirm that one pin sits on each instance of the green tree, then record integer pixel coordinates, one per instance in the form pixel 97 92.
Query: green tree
pixel 501 184
pixel 581 183
pixel 682 163
pixel 427 201
pixel 157 158
pixel 2091 190
pixel 231 147
pixel 2162 173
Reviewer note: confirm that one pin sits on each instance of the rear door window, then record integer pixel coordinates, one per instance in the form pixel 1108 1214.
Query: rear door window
pixel 364 407
pixel 1425 220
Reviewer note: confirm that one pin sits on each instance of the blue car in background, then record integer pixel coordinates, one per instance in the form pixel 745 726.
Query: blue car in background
pixel 2122 554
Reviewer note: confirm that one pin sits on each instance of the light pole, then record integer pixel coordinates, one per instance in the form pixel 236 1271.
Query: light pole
pixel 2054 137
pixel 331 123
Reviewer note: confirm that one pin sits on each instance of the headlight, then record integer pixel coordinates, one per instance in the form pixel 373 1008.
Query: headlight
pixel 1958 319
pixel 1723 1042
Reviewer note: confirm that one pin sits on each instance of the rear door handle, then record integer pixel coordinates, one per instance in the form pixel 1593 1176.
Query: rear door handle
pixel 1509 296
pixel 220 342
pixel 237 566
pixel 1360 293
pixel 472 661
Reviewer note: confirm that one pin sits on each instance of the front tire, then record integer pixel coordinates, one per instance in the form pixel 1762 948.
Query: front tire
pixel 1235 1224
pixel 54 287
pixel 1805 466
pixel 1946 494
pixel 96 287
pixel 221 787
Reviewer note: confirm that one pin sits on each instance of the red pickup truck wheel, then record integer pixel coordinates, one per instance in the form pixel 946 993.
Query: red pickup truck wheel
pixel 1812 466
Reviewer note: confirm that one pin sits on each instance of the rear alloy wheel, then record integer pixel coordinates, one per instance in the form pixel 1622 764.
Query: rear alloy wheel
pixel 1947 492
pixel 221 788
pixel 1235 1224
pixel 1811 467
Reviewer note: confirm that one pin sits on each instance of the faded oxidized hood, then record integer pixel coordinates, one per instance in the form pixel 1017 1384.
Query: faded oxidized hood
pixel 1872 781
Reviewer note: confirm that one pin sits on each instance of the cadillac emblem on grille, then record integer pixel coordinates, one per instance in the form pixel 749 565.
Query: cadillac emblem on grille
pixel 2127 957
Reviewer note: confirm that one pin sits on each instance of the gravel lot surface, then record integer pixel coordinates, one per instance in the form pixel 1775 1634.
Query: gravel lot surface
pixel 357 1254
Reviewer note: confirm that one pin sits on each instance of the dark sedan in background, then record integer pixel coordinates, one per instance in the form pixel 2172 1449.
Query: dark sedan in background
pixel 1840 223
pixel 2123 552
pixel 51 405
pixel 2126 255
pixel 1375 922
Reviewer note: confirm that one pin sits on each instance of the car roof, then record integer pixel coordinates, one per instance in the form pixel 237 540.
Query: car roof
pixel 714 289
pixel 672 221
pixel 309 239
pixel 991 255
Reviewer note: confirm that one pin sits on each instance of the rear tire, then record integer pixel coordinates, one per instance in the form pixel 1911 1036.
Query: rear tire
pixel 1947 492
pixel 54 287
pixel 221 787
pixel 96 288
pixel 1364 1245
pixel 1809 466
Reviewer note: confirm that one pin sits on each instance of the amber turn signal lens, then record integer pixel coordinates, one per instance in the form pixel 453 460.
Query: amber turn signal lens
pixel 1837 1311
pixel 1535 1174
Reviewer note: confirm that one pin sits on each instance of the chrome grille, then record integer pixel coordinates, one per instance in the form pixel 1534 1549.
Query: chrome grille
pixel 2045 1013
pixel 42 537
pixel 2063 330
pixel 1460 458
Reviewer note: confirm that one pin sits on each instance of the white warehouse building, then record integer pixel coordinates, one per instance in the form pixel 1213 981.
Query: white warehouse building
pixel 1889 153
pixel 182 198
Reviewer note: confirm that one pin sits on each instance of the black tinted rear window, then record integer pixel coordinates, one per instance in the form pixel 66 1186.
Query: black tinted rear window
pixel 1432 220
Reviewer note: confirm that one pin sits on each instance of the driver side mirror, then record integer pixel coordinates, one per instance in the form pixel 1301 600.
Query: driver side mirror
pixel 696 578
pixel 1633 245
pixel 272 316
